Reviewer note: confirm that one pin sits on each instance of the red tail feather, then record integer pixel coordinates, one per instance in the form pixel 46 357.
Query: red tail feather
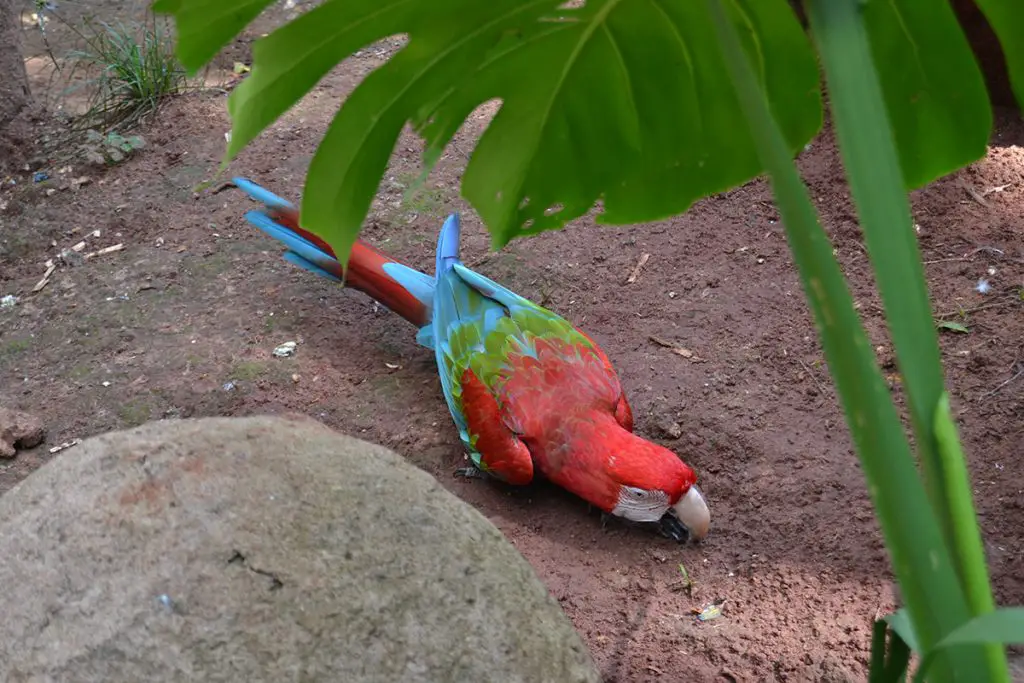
pixel 365 271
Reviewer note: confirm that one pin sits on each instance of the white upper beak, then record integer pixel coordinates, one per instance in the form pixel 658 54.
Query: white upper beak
pixel 692 511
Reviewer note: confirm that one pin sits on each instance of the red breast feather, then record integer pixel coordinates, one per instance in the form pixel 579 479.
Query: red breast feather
pixel 567 406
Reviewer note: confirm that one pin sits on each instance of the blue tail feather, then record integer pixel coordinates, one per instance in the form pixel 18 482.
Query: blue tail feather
pixel 292 257
pixel 454 296
pixel 262 195
pixel 295 243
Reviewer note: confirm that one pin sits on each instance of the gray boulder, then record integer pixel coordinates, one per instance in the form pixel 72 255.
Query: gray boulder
pixel 263 549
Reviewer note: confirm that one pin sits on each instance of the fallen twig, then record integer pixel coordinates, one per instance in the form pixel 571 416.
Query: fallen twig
pixel 65 445
pixel 968 256
pixel 992 249
pixel 814 377
pixel 46 277
pixel 476 263
pixel 636 270
pixel 997 188
pixel 81 245
pixel 947 260
pixel 105 250
pixel 975 309
pixel 975 195
pixel 678 350
pixel 459 150
pixel 999 388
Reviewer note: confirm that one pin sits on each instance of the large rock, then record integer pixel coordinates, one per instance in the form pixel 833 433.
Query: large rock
pixel 263 549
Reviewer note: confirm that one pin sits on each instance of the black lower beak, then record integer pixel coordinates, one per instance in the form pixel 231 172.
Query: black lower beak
pixel 671 527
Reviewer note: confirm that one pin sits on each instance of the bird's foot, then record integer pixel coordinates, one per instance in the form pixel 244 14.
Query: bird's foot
pixel 469 473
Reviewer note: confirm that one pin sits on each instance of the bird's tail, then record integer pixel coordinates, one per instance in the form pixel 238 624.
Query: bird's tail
pixel 402 289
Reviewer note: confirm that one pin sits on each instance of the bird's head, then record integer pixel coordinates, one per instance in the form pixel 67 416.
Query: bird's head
pixel 637 480
pixel 656 486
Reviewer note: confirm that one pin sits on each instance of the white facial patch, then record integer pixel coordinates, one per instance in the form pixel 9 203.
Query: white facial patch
pixel 639 505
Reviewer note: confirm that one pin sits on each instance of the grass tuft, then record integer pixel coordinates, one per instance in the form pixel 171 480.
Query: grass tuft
pixel 132 70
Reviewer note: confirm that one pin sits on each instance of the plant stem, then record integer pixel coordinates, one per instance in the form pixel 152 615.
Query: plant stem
pixel 920 559
pixel 876 668
pixel 877 185
pixel 967 537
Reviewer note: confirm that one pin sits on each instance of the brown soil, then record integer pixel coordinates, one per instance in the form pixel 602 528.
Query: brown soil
pixel 183 320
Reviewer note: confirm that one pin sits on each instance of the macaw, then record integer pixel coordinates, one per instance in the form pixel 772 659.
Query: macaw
pixel 529 393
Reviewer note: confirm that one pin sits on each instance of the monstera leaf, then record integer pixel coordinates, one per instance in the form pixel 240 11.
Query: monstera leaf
pixel 624 101
pixel 621 103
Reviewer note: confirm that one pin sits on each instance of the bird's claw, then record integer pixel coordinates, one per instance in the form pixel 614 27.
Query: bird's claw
pixel 469 473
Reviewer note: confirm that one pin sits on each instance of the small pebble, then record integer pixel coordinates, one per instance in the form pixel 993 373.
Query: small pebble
pixel 285 350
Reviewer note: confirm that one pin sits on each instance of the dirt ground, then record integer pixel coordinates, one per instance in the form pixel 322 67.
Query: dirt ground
pixel 182 322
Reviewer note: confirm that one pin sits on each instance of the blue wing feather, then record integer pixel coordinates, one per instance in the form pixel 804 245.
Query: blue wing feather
pixel 448 245
pixel 462 297
pixel 491 289
pixel 446 314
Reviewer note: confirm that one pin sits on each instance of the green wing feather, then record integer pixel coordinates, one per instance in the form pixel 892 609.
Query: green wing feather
pixel 481 324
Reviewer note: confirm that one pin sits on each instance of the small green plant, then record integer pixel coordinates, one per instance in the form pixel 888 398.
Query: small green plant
pixel 134 413
pixel 14 347
pixel 419 199
pixel 247 370
pixel 132 69
pixel 952 326
pixel 79 372
pixel 109 149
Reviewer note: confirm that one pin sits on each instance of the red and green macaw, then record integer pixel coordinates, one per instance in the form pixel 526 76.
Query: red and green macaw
pixel 529 393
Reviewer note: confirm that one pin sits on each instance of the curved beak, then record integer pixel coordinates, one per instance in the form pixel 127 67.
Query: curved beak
pixel 690 512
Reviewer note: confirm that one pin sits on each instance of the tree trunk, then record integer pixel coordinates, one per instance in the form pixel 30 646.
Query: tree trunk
pixel 15 96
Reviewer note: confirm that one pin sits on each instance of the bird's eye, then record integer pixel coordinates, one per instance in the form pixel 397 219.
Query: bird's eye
pixel 637 493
